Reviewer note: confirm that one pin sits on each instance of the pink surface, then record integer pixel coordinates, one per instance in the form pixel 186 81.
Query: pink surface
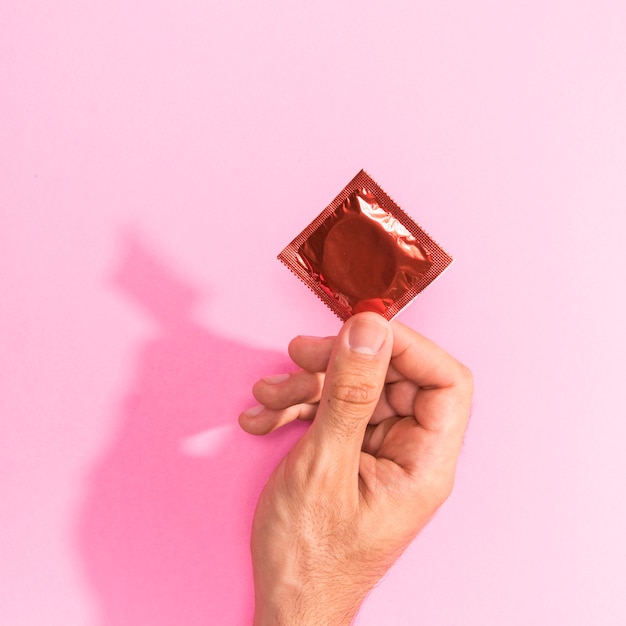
pixel 156 156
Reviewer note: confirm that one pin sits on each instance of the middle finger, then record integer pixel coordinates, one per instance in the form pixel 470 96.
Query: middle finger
pixel 284 390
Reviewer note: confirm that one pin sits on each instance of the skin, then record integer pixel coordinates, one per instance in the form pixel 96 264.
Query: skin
pixel 389 410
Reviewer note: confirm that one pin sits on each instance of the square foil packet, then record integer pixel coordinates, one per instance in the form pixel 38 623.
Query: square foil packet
pixel 364 253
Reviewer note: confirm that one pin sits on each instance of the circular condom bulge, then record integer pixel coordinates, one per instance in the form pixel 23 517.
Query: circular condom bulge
pixel 359 258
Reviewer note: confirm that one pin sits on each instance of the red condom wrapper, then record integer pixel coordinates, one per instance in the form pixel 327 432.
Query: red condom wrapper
pixel 364 253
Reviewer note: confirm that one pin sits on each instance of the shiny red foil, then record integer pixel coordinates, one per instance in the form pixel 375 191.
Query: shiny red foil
pixel 364 253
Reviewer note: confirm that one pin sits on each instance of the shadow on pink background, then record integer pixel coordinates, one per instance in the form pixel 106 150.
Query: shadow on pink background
pixel 171 498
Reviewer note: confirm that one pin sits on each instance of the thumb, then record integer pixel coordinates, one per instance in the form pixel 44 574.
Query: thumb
pixel 353 383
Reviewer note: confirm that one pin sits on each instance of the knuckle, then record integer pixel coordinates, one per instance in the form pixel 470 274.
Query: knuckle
pixel 355 392
pixel 445 488
pixel 436 490
pixel 466 377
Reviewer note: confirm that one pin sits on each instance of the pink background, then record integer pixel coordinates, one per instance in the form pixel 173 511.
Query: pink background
pixel 154 159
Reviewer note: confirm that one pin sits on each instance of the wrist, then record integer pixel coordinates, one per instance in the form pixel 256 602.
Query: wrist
pixel 295 606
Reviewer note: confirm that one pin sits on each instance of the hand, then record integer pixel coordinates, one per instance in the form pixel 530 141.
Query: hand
pixel 390 410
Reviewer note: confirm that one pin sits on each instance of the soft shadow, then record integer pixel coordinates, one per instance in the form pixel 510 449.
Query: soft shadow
pixel 165 525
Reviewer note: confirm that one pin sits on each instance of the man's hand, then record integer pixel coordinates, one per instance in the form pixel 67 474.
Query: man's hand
pixel 390 410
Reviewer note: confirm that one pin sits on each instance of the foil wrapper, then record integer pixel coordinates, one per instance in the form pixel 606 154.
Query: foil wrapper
pixel 364 253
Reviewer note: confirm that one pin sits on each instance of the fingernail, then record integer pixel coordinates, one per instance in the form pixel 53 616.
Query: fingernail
pixel 367 336
pixel 277 378
pixel 254 411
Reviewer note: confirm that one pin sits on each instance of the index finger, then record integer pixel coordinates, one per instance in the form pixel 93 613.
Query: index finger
pixel 423 362
pixel 444 384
